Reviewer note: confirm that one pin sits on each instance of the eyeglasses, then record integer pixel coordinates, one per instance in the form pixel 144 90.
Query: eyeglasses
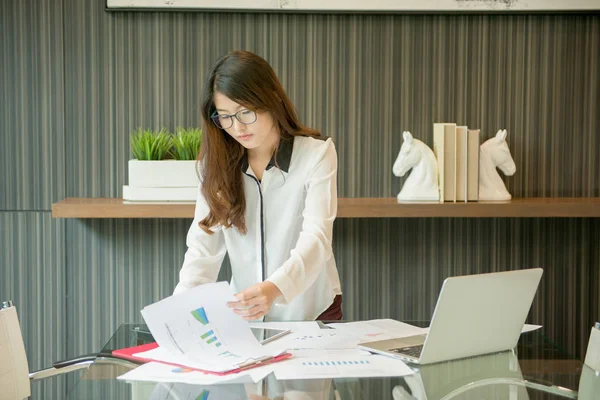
pixel 225 121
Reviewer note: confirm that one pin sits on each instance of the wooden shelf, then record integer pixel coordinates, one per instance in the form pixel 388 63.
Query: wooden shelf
pixel 544 207
pixel 576 207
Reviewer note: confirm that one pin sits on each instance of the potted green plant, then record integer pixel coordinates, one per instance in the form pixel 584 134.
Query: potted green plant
pixel 186 144
pixel 164 166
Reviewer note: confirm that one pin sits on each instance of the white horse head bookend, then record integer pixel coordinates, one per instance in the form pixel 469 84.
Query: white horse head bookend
pixel 422 184
pixel 494 153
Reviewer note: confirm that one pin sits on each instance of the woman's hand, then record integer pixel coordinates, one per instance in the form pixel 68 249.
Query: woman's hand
pixel 255 301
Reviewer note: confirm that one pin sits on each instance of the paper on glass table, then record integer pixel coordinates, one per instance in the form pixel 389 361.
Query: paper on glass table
pixel 312 340
pixel 158 372
pixel 197 326
pixel 377 329
pixel 341 366
pixel 312 353
pixel 344 335
pixel 295 327
pixel 161 355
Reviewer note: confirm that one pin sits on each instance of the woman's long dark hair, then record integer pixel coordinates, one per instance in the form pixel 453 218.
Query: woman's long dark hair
pixel 248 80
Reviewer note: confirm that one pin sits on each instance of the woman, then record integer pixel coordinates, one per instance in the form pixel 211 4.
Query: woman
pixel 267 198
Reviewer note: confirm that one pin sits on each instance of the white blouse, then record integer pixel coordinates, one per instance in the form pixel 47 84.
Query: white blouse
pixel 289 216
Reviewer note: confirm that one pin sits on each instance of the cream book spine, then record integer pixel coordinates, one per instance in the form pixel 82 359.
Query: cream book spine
pixel 444 147
pixel 461 163
pixel 474 143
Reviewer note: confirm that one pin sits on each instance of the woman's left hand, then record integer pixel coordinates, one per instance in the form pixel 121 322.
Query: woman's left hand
pixel 255 301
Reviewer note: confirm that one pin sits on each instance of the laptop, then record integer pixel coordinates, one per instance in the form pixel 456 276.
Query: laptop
pixel 474 315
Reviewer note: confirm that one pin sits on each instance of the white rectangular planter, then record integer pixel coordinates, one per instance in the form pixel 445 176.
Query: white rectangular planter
pixel 163 173
pixel 134 193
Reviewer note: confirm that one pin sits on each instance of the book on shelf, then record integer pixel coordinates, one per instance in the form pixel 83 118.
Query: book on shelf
pixel 444 148
pixel 474 141
pixel 461 163
pixel 456 149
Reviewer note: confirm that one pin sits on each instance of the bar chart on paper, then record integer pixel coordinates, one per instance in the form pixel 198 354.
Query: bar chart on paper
pixel 341 366
pixel 333 363
pixel 195 333
pixel 200 315
pixel 203 395
pixel 209 337
pixel 336 366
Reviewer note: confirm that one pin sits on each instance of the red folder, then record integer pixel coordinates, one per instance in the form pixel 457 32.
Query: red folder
pixel 128 353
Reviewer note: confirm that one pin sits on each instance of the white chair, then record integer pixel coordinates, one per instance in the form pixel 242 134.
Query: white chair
pixel 15 378
pixel 589 382
pixel 14 370
pixel 592 355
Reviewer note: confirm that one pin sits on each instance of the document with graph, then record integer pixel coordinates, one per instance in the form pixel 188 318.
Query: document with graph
pixel 340 365
pixel 197 329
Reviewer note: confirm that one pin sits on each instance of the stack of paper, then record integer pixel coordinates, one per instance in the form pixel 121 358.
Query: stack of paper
pixel 196 329
pixel 202 341
pixel 159 372
pixel 332 353
pixel 377 329
pixel 322 339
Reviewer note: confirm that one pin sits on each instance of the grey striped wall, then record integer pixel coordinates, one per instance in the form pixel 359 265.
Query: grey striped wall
pixel 76 80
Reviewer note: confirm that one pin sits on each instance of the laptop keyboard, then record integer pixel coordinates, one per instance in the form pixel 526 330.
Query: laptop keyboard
pixel 412 351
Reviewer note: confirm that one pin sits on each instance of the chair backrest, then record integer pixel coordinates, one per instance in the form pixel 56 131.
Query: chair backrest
pixel 592 355
pixel 589 382
pixel 14 369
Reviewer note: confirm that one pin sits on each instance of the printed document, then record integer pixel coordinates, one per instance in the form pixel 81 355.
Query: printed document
pixel 197 329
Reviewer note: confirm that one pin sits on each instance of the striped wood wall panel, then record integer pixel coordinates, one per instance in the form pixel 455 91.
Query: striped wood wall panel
pixel 32 126
pixel 32 274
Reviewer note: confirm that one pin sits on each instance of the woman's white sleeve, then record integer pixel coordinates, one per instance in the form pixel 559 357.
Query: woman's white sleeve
pixel 205 252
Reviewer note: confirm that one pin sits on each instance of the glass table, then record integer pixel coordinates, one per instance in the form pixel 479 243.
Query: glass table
pixel 536 369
